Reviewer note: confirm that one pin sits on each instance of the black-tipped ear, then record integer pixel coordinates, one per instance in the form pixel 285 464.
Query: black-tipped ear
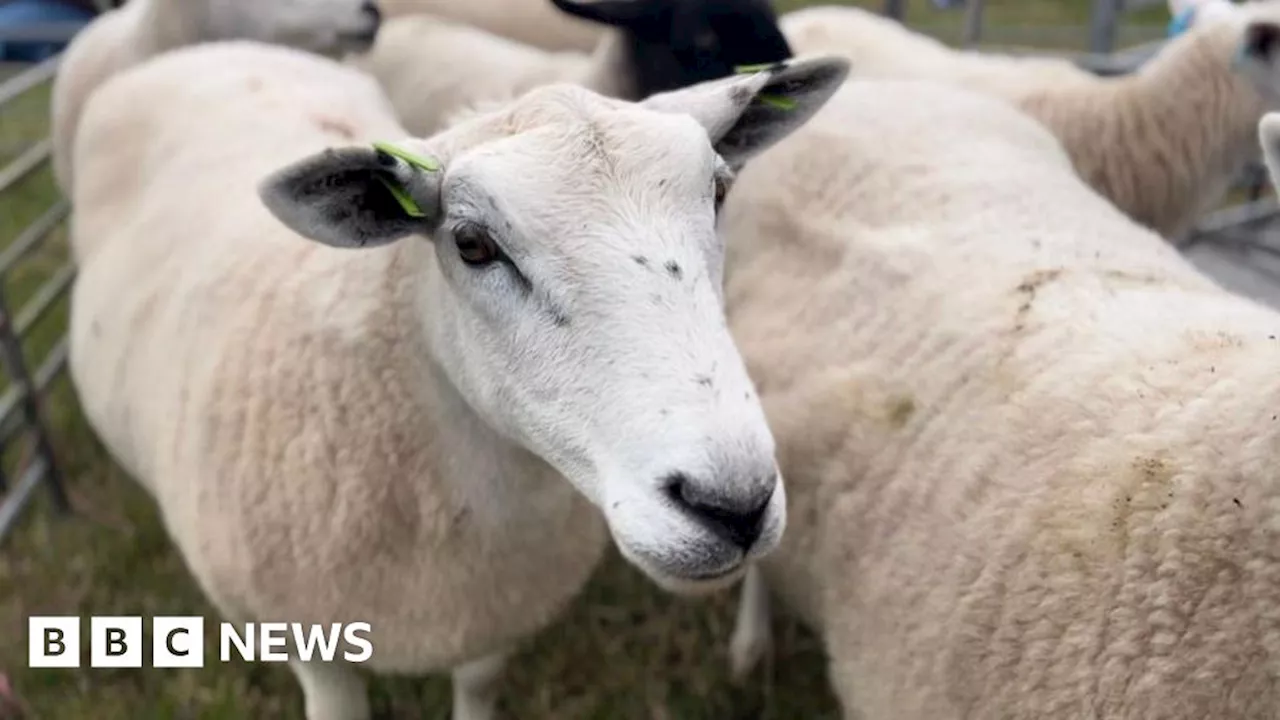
pixel 354 197
pixel 1261 41
pixel 746 114
pixel 618 13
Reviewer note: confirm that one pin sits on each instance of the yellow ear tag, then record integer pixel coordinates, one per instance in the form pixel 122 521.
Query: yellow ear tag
pixel 782 103
pixel 406 203
pixel 428 164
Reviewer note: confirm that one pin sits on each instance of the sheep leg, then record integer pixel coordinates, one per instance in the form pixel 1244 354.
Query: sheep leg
pixel 752 633
pixel 475 687
pixel 332 691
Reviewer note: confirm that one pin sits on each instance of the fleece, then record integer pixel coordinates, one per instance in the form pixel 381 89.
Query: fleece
pixel 1163 143
pixel 1029 449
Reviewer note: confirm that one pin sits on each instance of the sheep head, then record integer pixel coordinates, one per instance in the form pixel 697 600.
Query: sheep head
pixel 572 294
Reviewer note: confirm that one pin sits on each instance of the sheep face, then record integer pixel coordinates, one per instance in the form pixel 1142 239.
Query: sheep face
pixel 573 294
pixel 675 43
pixel 326 27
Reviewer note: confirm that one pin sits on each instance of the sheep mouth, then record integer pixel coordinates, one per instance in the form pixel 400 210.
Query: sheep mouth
pixel 715 575
pixel 359 41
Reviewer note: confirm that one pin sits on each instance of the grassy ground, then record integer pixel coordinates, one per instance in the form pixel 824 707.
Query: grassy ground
pixel 624 651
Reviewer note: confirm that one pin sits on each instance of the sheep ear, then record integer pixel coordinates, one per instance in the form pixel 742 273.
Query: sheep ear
pixel 356 197
pixel 746 114
pixel 618 13
pixel 1269 137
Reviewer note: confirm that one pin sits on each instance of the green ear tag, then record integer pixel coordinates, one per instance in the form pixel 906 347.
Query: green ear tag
pixel 398 192
pixel 747 69
pixel 777 101
pixel 403 198
pixel 427 164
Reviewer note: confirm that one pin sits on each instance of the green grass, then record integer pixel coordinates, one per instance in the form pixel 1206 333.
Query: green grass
pixel 625 650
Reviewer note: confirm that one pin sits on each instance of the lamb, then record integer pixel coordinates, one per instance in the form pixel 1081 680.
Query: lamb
pixel 421 434
pixel 651 46
pixel 536 23
pixel 126 36
pixel 1029 448
pixel 1163 143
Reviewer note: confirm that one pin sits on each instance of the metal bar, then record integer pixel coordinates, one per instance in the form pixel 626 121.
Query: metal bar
pixel 1241 216
pixel 54 363
pixel 29 238
pixel 26 163
pixel 11 356
pixel 10 420
pixel 45 32
pixel 27 79
pixel 973 22
pixel 1245 214
pixel 43 300
pixel 1102 25
pixel 13 505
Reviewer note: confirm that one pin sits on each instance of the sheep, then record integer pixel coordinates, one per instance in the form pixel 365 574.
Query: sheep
pixel 530 22
pixel 652 46
pixel 422 435
pixel 1163 143
pixel 1029 449
pixel 126 36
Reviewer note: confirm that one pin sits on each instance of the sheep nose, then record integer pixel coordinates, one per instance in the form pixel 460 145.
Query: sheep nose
pixel 736 517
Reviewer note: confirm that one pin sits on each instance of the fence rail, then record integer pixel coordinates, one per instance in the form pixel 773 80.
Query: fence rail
pixel 22 412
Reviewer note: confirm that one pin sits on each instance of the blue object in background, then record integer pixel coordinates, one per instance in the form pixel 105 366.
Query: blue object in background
pixel 1181 22
pixel 19 13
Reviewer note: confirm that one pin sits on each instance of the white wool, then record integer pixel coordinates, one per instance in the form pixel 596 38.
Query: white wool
pixel 533 22
pixel 413 54
pixel 126 36
pixel 1029 449
pixel 1162 143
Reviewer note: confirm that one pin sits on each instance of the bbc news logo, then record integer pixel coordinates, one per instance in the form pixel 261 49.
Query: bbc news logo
pixel 178 642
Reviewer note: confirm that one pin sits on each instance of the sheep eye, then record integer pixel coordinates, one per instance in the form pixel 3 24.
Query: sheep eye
pixel 721 189
pixel 475 246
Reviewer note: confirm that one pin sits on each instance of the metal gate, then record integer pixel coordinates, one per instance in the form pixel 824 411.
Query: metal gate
pixel 25 443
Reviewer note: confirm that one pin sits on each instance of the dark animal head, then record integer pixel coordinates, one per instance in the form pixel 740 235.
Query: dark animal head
pixel 672 44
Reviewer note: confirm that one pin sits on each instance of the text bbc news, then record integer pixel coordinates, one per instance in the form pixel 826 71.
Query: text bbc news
pixel 178 642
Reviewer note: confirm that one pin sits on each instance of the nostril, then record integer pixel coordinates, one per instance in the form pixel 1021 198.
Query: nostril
pixel 738 519
pixel 372 10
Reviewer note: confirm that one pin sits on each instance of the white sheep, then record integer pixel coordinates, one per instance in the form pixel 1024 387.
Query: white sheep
pixel 1029 449
pixel 1163 143
pixel 421 434
pixel 650 46
pixel 531 22
pixel 126 36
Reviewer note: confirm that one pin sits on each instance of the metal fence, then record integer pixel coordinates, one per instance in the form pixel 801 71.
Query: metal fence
pixel 23 421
